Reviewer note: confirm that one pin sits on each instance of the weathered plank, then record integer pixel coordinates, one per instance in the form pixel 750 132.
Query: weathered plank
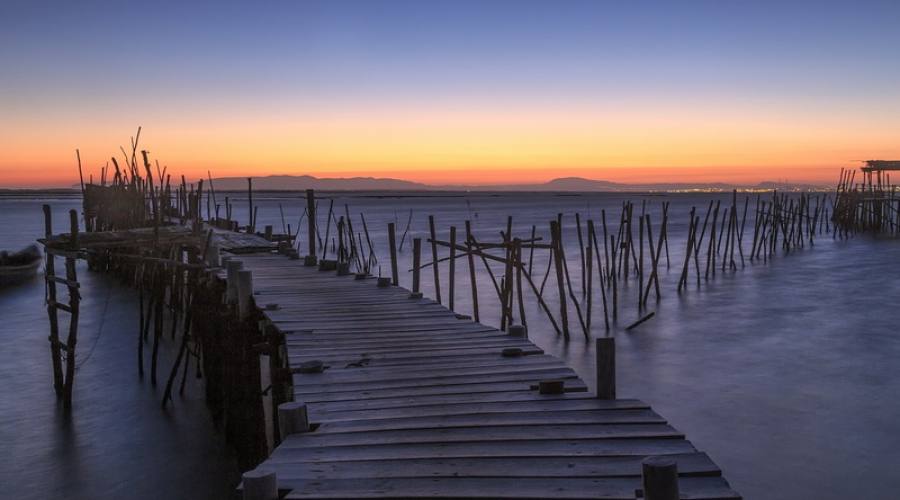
pixel 487 433
pixel 517 385
pixel 501 488
pixel 498 448
pixel 526 401
pixel 516 417
pixel 309 383
pixel 689 464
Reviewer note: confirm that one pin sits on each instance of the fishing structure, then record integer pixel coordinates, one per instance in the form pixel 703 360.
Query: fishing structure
pixel 869 204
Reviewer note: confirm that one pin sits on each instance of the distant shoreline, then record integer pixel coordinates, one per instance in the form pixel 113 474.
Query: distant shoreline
pixel 428 193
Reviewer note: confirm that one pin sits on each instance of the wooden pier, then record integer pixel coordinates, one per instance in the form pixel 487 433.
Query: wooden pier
pixel 402 398
pixel 330 384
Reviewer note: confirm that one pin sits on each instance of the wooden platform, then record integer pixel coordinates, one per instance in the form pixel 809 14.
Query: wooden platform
pixel 417 403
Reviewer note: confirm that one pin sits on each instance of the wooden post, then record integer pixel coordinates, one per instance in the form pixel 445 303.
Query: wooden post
pixel 245 292
pixel 589 269
pixel 231 291
pixel 606 367
pixel 517 331
pixel 640 261
pixel 417 264
pixel 250 227
pixel 660 478
pixel 682 280
pixel 507 296
pixel 452 278
pixel 259 485
pixel 561 287
pixel 519 270
pixel 74 300
pixel 213 255
pixel 629 241
pixel 392 244
pixel 268 232
pixel 434 259
pixel 471 259
pixel 614 273
pixel 600 278
pixel 50 276
pixel 292 419
pixel 556 386
pixel 311 227
pixel 341 249
pixel 80 173
pixel 581 252
pixel 328 228
pixel 531 250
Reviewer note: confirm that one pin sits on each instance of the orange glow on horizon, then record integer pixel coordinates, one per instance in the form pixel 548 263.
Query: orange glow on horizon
pixel 447 144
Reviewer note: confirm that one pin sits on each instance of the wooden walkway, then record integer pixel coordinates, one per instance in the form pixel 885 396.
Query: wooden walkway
pixel 416 402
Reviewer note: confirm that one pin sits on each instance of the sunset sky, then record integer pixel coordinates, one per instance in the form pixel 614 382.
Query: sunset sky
pixel 454 91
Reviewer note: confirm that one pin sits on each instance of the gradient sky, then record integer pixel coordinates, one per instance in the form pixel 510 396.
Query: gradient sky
pixel 455 91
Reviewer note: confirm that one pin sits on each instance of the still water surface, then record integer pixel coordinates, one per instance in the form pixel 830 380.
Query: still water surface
pixel 785 373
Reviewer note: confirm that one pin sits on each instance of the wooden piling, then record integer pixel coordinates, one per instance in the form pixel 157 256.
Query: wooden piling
pixel 251 228
pixel 434 259
pixel 660 478
pixel 605 364
pixel 560 281
pixel 473 283
pixel 451 292
pixel 392 248
pixel 311 226
pixel 641 262
pixel 417 264
pixel 519 269
pixel 581 253
pixel 589 268
pixel 74 301
pixel 244 292
pixel 260 485
pixel 292 419
pixel 50 276
pixel 600 277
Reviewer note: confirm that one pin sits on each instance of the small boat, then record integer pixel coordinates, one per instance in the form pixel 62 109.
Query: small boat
pixel 20 266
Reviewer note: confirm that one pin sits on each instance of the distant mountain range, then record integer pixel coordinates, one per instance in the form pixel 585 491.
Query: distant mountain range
pixel 562 184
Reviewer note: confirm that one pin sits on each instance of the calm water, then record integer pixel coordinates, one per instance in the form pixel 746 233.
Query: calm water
pixel 785 373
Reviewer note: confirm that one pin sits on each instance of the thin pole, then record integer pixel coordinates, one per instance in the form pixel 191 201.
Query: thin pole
pixel 311 223
pixel 392 244
pixel 452 291
pixel 417 259
pixel 434 258
pixel 471 259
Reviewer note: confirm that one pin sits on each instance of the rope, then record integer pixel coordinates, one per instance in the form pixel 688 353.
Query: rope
pixel 99 330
